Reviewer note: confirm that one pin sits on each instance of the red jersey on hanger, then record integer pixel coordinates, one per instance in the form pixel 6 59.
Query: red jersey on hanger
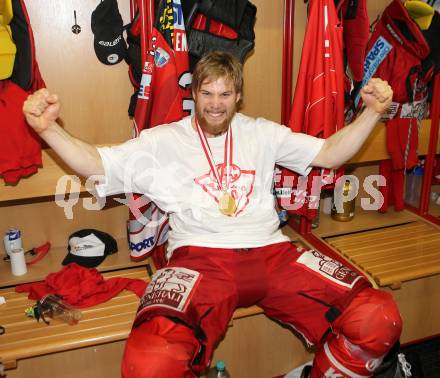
pixel 318 104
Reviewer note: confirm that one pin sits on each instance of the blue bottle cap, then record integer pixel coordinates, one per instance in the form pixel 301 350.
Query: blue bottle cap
pixel 220 365
pixel 418 171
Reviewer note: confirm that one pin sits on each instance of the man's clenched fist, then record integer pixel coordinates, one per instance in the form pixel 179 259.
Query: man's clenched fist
pixel 41 109
pixel 377 95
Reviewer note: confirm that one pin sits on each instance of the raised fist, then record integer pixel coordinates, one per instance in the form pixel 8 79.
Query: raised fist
pixel 41 109
pixel 377 95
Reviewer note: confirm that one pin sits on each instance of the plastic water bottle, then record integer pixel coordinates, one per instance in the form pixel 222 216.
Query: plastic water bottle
pixel 218 371
pixel 413 185
pixel 52 306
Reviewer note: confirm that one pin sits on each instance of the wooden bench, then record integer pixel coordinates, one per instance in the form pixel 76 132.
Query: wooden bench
pixel 393 247
pixel 104 323
pixel 393 254
pixel 25 337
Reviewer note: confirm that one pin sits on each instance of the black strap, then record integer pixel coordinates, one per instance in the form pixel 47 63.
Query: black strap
pixel 332 312
pixel 351 11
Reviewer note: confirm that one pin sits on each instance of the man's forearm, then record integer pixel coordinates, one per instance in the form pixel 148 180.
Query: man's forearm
pixel 344 144
pixel 82 157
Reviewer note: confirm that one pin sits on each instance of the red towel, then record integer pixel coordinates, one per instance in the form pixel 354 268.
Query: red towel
pixel 20 148
pixel 81 287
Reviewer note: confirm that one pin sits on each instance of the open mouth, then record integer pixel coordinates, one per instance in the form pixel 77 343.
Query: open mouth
pixel 215 115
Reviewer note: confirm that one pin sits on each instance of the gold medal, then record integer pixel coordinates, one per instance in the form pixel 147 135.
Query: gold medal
pixel 226 204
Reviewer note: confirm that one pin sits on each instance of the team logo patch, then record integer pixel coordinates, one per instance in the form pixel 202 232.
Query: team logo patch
pixel 241 185
pixel 329 268
pixel 161 57
pixel 171 288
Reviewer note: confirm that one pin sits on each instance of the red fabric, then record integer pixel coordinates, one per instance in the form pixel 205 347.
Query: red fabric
pixel 20 148
pixel 81 287
pixel 356 34
pixel 393 191
pixel 436 172
pixel 166 347
pixel 403 62
pixel 385 190
pixel 402 68
pixel 318 104
pixel 402 135
pixel 282 280
pixel 215 27
pixel 161 95
pixel 398 179
pixel 360 337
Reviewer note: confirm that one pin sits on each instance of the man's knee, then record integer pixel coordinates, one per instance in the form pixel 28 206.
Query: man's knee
pixel 362 335
pixel 372 321
pixel 159 348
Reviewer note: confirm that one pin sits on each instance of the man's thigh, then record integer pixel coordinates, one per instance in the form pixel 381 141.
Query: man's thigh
pixel 197 289
pixel 307 289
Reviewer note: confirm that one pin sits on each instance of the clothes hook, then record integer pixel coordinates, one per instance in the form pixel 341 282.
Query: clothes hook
pixel 76 29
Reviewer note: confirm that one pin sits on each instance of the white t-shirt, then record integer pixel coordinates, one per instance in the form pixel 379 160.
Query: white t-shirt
pixel 168 165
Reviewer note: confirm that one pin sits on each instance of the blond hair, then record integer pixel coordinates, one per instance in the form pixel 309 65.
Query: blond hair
pixel 215 65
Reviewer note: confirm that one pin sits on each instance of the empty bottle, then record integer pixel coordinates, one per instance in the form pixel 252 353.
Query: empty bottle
pixel 218 371
pixel 413 185
pixel 52 306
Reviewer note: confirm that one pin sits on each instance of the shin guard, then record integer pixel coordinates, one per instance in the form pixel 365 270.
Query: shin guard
pixel 361 337
pixel 159 348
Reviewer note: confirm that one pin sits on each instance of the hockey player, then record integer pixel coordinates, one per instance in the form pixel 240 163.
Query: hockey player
pixel 212 172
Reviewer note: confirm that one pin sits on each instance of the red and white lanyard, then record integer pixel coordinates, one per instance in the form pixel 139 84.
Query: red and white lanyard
pixel 227 156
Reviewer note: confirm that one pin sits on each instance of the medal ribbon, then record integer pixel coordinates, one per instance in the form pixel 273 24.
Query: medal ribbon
pixel 227 155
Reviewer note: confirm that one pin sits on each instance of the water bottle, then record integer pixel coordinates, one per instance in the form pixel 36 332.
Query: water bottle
pixel 218 371
pixel 52 306
pixel 413 185
pixel 283 216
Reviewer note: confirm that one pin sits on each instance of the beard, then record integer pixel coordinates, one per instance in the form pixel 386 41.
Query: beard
pixel 214 128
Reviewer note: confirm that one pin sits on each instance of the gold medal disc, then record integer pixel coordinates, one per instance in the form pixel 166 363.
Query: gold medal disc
pixel 226 204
